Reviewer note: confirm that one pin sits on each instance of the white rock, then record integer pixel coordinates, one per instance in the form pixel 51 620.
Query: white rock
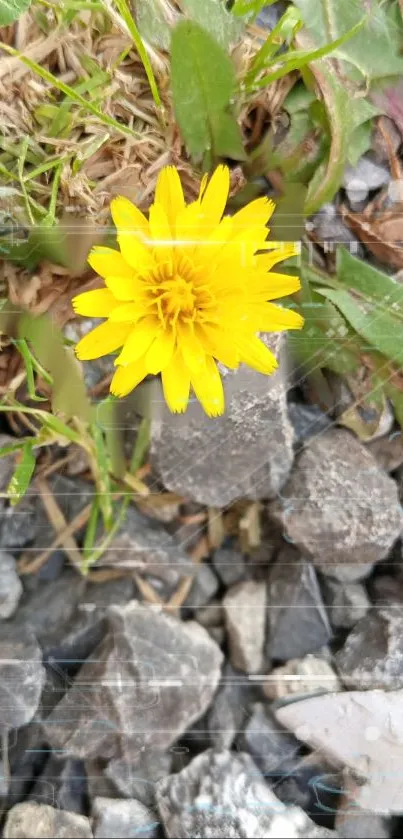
pixel 245 615
pixel 361 730
pixel 301 676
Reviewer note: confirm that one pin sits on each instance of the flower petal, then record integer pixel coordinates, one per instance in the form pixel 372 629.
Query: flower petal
pixel 255 353
pixel 272 286
pixel 127 313
pixel 138 341
pixel 127 217
pixel 176 384
pixel 215 196
pixel 94 304
pixel 257 212
pixel 208 388
pixel 161 234
pixel 161 351
pixel 108 262
pixel 134 252
pixel 102 340
pixel 125 288
pixel 278 252
pixel 127 378
pixel 218 343
pixel 192 350
pixel 267 317
pixel 169 194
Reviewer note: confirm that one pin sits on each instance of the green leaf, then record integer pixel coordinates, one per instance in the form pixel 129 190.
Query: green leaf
pixel 250 7
pixel 329 175
pixel 22 476
pixel 11 10
pixel 203 86
pixel 369 282
pixel 382 330
pixel 215 19
pixel 153 24
pixel 373 52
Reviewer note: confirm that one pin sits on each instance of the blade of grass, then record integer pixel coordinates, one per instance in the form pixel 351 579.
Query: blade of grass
pixel 68 91
pixel 127 17
pixel 23 349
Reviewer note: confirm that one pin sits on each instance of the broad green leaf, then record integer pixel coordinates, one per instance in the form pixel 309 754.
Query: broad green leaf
pixel 369 282
pixel 152 22
pixel 360 142
pixel 215 19
pixel 373 52
pixel 382 330
pixel 203 86
pixel 11 10
pixel 22 475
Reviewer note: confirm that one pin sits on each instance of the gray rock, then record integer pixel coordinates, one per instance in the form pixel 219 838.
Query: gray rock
pixel 274 750
pixel 10 585
pixel 330 228
pixel 347 573
pixel 145 546
pixel 346 603
pixel 137 778
pixel 118 819
pixel 211 615
pixel 18 524
pixel 307 421
pixel 230 565
pixel 148 681
pixel 372 656
pixel 360 730
pixel 388 451
pixel 50 606
pixel 62 784
pixel 301 676
pixel 229 708
pixel 22 677
pixel 215 461
pixel 245 616
pixel 297 619
pixel 221 794
pixel 339 506
pixel 367 175
pixel 71 496
pixel 40 821
pixel 205 586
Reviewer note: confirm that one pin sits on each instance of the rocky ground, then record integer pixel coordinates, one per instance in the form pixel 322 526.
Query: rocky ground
pixel 270 702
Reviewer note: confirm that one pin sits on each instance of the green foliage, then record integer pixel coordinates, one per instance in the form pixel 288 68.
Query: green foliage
pixel 203 85
pixel 23 473
pixel 11 10
pixel 353 319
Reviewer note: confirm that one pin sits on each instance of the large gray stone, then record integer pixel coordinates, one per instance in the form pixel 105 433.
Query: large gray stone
pixel 62 784
pixel 222 794
pixel 346 604
pixel 248 452
pixel 148 681
pixel 137 778
pixel 144 545
pixel 275 751
pixel 297 622
pixel 120 819
pixel 30 820
pixel 10 585
pixel 229 708
pixel 339 506
pixel 22 677
pixel 245 616
pixel 360 730
pixel 372 655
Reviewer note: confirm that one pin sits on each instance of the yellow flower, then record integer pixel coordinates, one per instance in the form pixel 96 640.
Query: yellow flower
pixel 187 289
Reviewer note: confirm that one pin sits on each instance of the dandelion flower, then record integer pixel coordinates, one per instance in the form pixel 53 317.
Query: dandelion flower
pixel 189 287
